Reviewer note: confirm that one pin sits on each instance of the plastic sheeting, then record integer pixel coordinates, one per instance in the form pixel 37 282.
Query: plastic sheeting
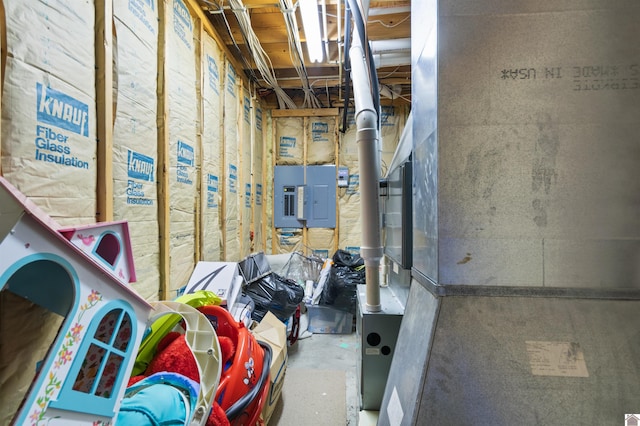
pixel 289 140
pixel 231 155
pixel 392 123
pixel 135 148
pixel 211 150
pixel 183 149
pixel 49 114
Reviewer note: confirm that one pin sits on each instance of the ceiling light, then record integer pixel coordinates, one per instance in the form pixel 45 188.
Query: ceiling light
pixel 311 23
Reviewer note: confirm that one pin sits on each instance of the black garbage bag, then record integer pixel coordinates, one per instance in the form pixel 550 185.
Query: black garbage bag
pixel 276 294
pixel 344 258
pixel 346 273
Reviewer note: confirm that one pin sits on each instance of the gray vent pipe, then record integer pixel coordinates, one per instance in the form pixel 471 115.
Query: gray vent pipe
pixel 367 137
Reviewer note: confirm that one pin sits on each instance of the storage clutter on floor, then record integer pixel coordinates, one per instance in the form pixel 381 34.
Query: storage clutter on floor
pixel 216 355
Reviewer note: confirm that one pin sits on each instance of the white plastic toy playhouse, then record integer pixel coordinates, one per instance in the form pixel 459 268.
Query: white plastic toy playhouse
pixel 70 327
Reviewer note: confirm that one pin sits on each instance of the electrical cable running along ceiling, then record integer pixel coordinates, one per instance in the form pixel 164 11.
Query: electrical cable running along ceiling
pixel 268 38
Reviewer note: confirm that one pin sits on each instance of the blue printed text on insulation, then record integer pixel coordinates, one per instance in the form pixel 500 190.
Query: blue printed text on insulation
pixel 135 194
pixel 324 254
pixel 247 195
pixel 214 75
pixel 320 131
pixel 247 110
pixel 139 166
pixel 212 183
pixel 258 194
pixel 231 80
pixel 182 22
pixel 386 113
pixel 140 9
pixel 233 178
pixel 61 110
pixel 182 175
pixel 354 184
pixel 212 191
pixel 211 200
pixel 185 154
pixel 259 118
pixel 52 147
pixel 287 142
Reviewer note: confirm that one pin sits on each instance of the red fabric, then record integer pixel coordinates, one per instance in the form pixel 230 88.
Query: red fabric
pixel 227 348
pixel 217 417
pixel 173 354
pixel 135 379
pixel 175 357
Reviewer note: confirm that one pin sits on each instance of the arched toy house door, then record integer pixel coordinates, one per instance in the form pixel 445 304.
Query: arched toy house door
pixel 36 302
pixel 82 367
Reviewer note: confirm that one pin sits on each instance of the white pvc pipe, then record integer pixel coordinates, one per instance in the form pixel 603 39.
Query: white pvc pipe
pixel 392 59
pixel 391 45
pixel 367 137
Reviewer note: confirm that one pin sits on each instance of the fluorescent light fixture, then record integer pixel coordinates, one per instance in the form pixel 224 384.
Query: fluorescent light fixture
pixel 311 24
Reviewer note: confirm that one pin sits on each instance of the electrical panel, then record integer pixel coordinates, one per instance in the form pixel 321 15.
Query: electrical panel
pixel 304 196
pixel 286 180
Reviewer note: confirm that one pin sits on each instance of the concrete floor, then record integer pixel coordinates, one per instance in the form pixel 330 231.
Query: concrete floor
pixel 334 352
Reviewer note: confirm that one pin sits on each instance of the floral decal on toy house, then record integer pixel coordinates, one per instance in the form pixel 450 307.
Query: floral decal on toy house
pixel 65 355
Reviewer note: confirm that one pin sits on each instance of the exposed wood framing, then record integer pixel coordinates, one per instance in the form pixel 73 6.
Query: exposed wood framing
pixel 223 158
pixel 194 7
pixel 222 182
pixel 305 112
pixel 163 156
pixel 241 178
pixel 265 181
pixel 274 151
pixel 305 147
pixel 200 186
pixel 105 108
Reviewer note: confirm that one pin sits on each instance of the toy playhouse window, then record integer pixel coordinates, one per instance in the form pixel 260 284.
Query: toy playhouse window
pixel 108 248
pixel 96 375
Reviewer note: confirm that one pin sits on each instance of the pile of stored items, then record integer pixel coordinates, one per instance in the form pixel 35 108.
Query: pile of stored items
pixel 216 355
pixel 116 357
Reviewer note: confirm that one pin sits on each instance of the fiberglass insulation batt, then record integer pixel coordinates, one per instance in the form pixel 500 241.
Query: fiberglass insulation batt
pixel 135 136
pixel 211 149
pixel 182 106
pixel 245 176
pixel 231 155
pixel 49 104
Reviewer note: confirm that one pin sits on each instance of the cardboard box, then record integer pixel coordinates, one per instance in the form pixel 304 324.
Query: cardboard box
pixel 273 331
pixel 221 278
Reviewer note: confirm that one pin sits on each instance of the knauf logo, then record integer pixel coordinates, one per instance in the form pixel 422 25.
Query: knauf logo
pixel 139 166
pixel 63 111
pixel 185 154
pixel 181 11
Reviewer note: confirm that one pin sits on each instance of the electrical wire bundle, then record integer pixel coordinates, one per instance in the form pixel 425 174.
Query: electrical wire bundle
pixel 295 52
pixel 259 56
